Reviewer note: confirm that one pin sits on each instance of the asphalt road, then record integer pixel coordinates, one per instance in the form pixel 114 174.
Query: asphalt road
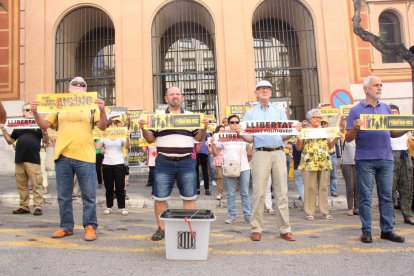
pixel 124 247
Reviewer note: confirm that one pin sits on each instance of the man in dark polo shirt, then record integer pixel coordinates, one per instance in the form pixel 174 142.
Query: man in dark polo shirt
pixel 27 159
pixel 373 161
pixel 173 162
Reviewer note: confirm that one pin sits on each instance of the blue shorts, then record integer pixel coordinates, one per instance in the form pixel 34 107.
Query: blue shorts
pixel 167 172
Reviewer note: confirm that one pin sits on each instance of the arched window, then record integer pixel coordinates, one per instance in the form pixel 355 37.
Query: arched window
pixel 183 46
pixel 285 55
pixel 390 32
pixel 85 46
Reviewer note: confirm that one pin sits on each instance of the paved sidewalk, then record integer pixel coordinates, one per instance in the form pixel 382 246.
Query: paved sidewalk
pixel 139 195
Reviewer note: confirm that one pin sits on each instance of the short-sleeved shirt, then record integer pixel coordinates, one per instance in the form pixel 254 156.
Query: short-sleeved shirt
pixel 272 113
pixel 175 142
pixel 74 136
pixel 315 155
pixel 27 145
pixel 371 144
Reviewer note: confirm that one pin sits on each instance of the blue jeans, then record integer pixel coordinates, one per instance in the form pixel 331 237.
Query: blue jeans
pixel 212 169
pixel 381 171
pixel 333 181
pixel 167 171
pixel 66 168
pixel 230 184
pixel 299 184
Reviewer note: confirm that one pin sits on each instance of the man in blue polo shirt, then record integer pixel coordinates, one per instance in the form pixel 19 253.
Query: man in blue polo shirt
pixel 268 160
pixel 373 161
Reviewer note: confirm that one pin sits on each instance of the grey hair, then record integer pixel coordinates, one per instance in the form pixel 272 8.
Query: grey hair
pixel 310 113
pixel 367 81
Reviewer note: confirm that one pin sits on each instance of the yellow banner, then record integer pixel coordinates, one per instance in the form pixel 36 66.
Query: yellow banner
pixel 110 133
pixel 317 133
pixel 50 103
pixel 173 121
pixel 329 111
pixel 387 122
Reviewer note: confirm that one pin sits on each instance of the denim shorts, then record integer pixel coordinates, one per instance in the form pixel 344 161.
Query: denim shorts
pixel 167 172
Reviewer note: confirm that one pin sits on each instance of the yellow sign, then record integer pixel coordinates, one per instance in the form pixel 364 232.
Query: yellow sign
pixel 317 133
pixel 236 110
pixel 50 103
pixel 387 122
pixel 344 109
pixel 110 133
pixel 173 121
pixel 211 118
pixel 143 143
pixel 211 127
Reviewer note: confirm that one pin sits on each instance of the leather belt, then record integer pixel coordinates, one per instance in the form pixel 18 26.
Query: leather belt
pixel 173 158
pixel 269 149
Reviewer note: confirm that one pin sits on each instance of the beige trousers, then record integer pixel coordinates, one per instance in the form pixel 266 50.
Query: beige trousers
pixel 42 153
pixel 24 172
pixel 220 180
pixel 311 180
pixel 274 164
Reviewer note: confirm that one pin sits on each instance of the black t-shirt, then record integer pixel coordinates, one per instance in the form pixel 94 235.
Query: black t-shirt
pixel 28 145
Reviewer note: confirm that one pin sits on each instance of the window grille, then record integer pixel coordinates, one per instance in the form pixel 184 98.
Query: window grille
pixel 85 46
pixel 390 33
pixel 183 45
pixel 285 55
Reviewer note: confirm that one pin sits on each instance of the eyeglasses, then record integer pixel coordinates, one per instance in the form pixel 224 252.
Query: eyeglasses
pixel 234 122
pixel 317 118
pixel 27 110
pixel 78 83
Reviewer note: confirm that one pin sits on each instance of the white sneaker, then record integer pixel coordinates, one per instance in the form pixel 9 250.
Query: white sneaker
pixel 219 196
pixel 124 212
pixel 213 183
pixel 202 183
pixel 107 211
pixel 229 221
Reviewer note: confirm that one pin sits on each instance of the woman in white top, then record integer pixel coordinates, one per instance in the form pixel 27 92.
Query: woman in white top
pixel 239 152
pixel 113 169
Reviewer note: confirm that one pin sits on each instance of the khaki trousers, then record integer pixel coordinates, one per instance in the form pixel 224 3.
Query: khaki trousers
pixel 42 153
pixel 24 172
pixel 220 180
pixel 312 179
pixel 274 164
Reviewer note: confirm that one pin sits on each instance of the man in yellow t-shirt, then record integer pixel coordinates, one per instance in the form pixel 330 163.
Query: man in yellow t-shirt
pixel 75 155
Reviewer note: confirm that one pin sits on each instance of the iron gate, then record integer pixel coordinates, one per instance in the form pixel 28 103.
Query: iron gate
pixel 85 46
pixel 183 46
pixel 285 55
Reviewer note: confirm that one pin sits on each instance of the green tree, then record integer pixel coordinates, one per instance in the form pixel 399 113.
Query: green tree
pixel 383 47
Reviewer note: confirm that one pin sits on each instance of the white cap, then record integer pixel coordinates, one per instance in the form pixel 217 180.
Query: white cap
pixel 263 83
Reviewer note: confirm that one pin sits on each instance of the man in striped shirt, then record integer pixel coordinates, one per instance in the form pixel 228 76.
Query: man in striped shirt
pixel 173 162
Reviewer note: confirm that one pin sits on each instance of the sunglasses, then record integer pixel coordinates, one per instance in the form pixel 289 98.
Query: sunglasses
pixel 78 83
pixel 27 110
pixel 234 122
